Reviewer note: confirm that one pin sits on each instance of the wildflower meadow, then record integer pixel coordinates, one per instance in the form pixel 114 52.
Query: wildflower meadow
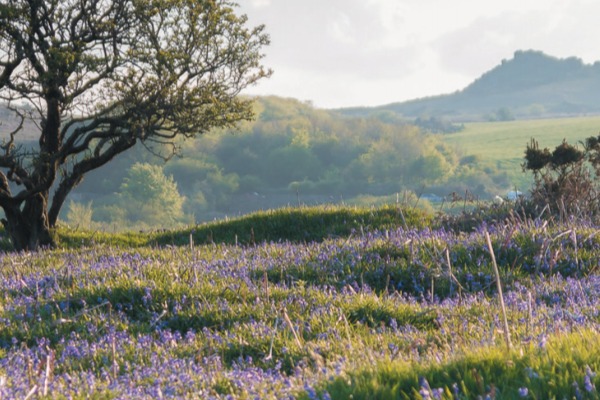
pixel 404 312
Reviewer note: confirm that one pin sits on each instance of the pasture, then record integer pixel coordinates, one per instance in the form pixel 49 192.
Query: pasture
pixel 383 304
pixel 503 144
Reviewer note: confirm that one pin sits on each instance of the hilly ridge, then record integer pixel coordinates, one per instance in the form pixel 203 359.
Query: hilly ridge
pixel 530 85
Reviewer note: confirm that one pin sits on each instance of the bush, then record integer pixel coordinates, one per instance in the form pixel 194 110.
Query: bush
pixel 563 181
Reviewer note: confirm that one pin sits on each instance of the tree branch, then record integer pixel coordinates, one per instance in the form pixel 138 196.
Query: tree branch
pixel 80 169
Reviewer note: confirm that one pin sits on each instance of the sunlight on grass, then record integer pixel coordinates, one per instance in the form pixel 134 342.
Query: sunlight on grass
pixel 562 367
pixel 503 143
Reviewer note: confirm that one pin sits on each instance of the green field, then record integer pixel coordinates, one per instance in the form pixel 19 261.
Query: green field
pixel 503 143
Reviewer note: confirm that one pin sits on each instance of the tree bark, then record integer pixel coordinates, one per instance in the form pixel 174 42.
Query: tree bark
pixel 28 227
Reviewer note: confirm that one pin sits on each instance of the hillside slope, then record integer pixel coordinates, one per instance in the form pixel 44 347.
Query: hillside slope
pixel 530 85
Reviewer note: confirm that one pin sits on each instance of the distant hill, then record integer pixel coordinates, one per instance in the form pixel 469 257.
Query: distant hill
pixel 530 85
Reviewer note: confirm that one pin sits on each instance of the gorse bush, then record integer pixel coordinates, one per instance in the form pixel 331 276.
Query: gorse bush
pixel 565 179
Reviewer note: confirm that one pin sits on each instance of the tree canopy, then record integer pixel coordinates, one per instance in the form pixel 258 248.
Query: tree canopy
pixel 99 76
pixel 151 196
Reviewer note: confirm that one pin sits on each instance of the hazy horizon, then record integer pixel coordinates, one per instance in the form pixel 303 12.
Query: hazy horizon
pixel 345 53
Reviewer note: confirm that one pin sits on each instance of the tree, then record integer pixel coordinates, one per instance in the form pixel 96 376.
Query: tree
pixel 80 215
pixel 99 76
pixel 149 196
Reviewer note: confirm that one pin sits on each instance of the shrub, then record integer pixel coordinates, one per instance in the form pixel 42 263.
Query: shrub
pixel 563 180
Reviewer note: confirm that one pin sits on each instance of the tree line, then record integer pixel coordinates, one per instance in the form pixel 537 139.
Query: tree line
pixel 291 153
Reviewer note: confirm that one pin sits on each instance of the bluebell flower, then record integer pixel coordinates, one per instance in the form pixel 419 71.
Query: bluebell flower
pixel 578 395
pixel 588 380
pixel 588 384
pixel 542 342
pixel 425 390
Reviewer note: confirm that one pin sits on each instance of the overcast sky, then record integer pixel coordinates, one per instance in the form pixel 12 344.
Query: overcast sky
pixel 340 53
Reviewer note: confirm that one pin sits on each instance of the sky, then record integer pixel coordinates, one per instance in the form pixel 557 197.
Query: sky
pixel 346 53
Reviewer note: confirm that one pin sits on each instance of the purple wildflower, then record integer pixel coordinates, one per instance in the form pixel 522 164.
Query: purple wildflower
pixel 542 342
pixel 588 380
pixel 425 390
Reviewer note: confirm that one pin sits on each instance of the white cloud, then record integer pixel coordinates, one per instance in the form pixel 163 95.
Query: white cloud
pixel 370 52
pixel 341 30
pixel 260 3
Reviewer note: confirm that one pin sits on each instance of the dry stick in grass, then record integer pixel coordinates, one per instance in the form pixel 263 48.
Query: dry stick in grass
pixel 157 319
pixel 452 277
pixel 270 356
pixel 575 247
pixel 432 294
pixel 80 313
pixel 49 362
pixel 115 364
pixel 266 284
pixel 529 313
pixel 499 286
pixel 343 316
pixel 289 322
pixel 31 392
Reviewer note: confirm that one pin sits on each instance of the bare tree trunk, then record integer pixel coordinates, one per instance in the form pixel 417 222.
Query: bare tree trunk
pixel 28 227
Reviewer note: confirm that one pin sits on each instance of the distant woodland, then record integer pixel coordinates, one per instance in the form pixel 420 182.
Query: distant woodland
pixel 295 154
pixel 291 154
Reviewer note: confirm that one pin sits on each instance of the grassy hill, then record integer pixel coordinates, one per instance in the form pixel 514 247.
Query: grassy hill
pixel 298 225
pixel 531 84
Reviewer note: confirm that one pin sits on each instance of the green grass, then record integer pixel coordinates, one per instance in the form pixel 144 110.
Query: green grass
pixel 547 373
pixel 503 143
pixel 298 225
